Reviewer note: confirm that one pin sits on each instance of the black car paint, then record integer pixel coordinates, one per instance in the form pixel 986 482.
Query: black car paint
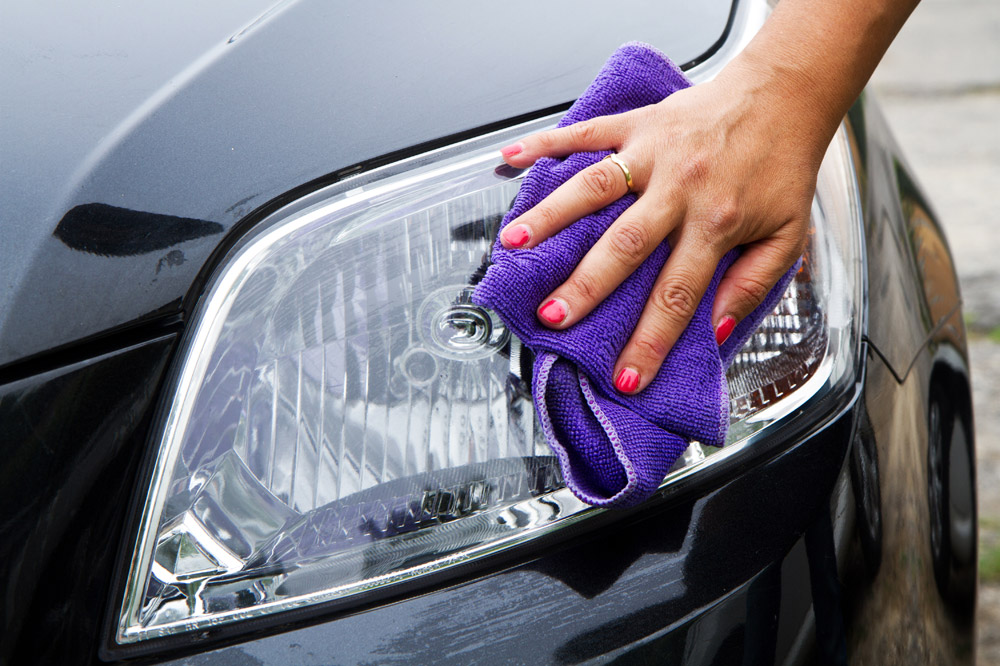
pixel 72 441
pixel 694 577
pixel 253 107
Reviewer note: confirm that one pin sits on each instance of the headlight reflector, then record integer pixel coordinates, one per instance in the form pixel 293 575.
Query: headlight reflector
pixel 345 418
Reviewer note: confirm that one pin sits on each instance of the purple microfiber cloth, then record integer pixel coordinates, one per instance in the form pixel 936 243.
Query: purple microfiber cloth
pixel 614 449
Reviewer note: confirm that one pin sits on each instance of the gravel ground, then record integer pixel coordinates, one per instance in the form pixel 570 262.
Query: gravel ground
pixel 940 87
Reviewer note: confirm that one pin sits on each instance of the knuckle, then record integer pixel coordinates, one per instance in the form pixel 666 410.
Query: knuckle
pixel 719 225
pixel 598 183
pixel 750 291
pixel 693 170
pixel 676 298
pixel 649 347
pixel 788 250
pixel 723 218
pixel 544 217
pixel 545 142
pixel 629 241
pixel 585 287
pixel 583 132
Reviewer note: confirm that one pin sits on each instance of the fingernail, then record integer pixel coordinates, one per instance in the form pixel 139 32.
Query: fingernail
pixel 512 149
pixel 627 380
pixel 724 329
pixel 516 235
pixel 553 311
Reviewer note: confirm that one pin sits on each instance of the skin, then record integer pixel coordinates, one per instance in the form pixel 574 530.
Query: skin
pixel 729 162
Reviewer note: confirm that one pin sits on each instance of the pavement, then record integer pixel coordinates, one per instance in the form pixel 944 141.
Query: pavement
pixel 939 85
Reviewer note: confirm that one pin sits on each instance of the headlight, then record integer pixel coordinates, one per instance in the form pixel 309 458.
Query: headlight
pixel 344 418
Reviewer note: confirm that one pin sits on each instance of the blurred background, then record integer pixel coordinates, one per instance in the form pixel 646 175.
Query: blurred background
pixel 939 85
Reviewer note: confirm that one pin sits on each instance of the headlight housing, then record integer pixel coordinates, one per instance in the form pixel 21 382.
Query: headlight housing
pixel 344 418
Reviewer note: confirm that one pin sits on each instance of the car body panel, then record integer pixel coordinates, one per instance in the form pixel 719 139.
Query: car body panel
pixel 905 241
pixel 898 609
pixel 72 441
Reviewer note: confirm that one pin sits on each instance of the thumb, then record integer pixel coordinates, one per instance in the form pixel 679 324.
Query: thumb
pixel 746 283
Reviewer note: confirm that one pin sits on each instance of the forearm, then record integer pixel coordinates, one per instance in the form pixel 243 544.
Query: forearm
pixel 812 58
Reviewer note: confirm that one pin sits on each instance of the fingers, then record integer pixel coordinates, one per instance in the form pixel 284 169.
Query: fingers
pixel 747 282
pixel 602 133
pixel 673 301
pixel 622 248
pixel 587 191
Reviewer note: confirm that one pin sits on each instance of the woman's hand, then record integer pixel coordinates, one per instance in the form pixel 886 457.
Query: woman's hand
pixel 725 163
pixel 717 165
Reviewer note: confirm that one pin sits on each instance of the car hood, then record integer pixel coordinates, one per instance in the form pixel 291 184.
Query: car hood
pixel 135 137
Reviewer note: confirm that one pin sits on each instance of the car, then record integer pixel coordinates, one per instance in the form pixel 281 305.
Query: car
pixel 250 412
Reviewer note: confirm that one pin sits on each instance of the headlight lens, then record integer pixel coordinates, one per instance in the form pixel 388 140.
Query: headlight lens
pixel 345 418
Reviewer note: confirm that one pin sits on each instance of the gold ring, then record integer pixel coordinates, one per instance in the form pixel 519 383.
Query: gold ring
pixel 624 167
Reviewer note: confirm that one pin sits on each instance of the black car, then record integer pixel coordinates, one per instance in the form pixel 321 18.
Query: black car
pixel 250 414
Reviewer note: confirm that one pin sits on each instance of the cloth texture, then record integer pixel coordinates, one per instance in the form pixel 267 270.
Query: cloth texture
pixel 614 449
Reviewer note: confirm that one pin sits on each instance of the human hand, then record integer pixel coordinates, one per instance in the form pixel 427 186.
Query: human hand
pixel 715 166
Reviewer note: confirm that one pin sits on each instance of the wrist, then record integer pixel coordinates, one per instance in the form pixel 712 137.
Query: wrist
pixel 786 96
pixel 811 60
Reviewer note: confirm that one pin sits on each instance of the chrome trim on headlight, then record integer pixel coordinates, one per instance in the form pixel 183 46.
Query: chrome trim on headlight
pixel 258 581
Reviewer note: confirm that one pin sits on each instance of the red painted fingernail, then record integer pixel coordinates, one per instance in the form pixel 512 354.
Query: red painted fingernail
pixel 724 329
pixel 553 311
pixel 512 149
pixel 627 381
pixel 517 235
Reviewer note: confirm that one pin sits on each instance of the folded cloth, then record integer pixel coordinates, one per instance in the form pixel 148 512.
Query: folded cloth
pixel 614 450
